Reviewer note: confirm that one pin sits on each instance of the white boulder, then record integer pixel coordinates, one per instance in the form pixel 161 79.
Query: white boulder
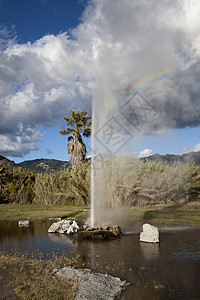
pixel 150 234
pixel 64 226
pixel 24 223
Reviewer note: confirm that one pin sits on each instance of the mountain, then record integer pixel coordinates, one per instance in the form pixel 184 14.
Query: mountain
pixel 8 164
pixel 43 165
pixel 53 165
pixel 170 158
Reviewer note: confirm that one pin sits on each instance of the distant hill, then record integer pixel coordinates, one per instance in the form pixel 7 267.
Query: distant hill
pixel 54 165
pixel 43 165
pixel 6 163
pixel 170 158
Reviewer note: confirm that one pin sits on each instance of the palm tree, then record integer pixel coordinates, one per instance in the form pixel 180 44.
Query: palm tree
pixel 78 122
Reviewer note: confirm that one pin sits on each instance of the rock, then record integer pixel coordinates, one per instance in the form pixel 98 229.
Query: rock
pixel 89 229
pixel 116 230
pixel 150 234
pixel 85 227
pixel 64 226
pixel 92 285
pixel 96 228
pixel 106 226
pixel 24 223
pixel 100 232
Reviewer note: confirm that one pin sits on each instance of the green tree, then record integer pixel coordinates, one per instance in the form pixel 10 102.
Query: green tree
pixel 78 123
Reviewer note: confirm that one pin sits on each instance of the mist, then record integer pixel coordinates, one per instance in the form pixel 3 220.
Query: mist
pixel 146 83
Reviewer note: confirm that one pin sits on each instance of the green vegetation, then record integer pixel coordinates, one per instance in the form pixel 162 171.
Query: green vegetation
pixel 67 187
pixel 180 215
pixel 16 185
pixel 78 122
pixel 27 278
pixel 131 182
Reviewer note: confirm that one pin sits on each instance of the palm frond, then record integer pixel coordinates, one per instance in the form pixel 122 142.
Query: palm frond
pixel 87 132
pixel 67 131
pixel 79 122
pixel 69 121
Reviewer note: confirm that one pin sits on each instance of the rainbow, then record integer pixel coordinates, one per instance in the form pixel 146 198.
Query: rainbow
pixel 136 86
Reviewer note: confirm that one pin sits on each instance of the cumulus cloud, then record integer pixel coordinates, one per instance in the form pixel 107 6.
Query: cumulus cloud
pixel 118 45
pixel 152 49
pixel 40 83
pixel 196 148
pixel 20 142
pixel 146 152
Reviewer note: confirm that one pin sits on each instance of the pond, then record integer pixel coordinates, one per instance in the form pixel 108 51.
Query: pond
pixel 169 270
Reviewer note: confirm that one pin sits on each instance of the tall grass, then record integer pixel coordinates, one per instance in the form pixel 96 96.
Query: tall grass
pixel 131 182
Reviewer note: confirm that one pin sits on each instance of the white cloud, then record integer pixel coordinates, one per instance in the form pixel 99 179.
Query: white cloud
pixel 146 152
pixel 196 148
pixel 118 43
pixel 39 85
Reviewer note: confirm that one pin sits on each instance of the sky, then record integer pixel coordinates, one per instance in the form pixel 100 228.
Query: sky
pixel 62 55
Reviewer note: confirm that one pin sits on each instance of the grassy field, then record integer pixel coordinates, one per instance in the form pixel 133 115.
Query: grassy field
pixel 33 212
pixel 181 215
pixel 186 215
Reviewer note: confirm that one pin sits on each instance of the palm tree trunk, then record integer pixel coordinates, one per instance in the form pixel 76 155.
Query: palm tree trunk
pixel 77 151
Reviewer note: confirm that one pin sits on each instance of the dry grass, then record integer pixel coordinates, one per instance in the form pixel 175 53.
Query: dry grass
pixel 29 278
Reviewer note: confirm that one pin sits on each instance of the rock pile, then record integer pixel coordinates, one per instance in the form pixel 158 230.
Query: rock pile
pixel 106 231
pixel 64 226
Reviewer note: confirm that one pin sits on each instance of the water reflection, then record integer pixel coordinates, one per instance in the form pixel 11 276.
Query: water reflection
pixel 150 251
pixel 62 239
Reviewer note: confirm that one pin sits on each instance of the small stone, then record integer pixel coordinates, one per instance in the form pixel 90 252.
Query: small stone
pixel 24 223
pixel 89 229
pixel 105 227
pixel 85 227
pixel 116 230
pixel 150 234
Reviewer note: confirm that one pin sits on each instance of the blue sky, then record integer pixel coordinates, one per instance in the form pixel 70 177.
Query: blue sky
pixel 63 55
pixel 30 21
pixel 35 18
